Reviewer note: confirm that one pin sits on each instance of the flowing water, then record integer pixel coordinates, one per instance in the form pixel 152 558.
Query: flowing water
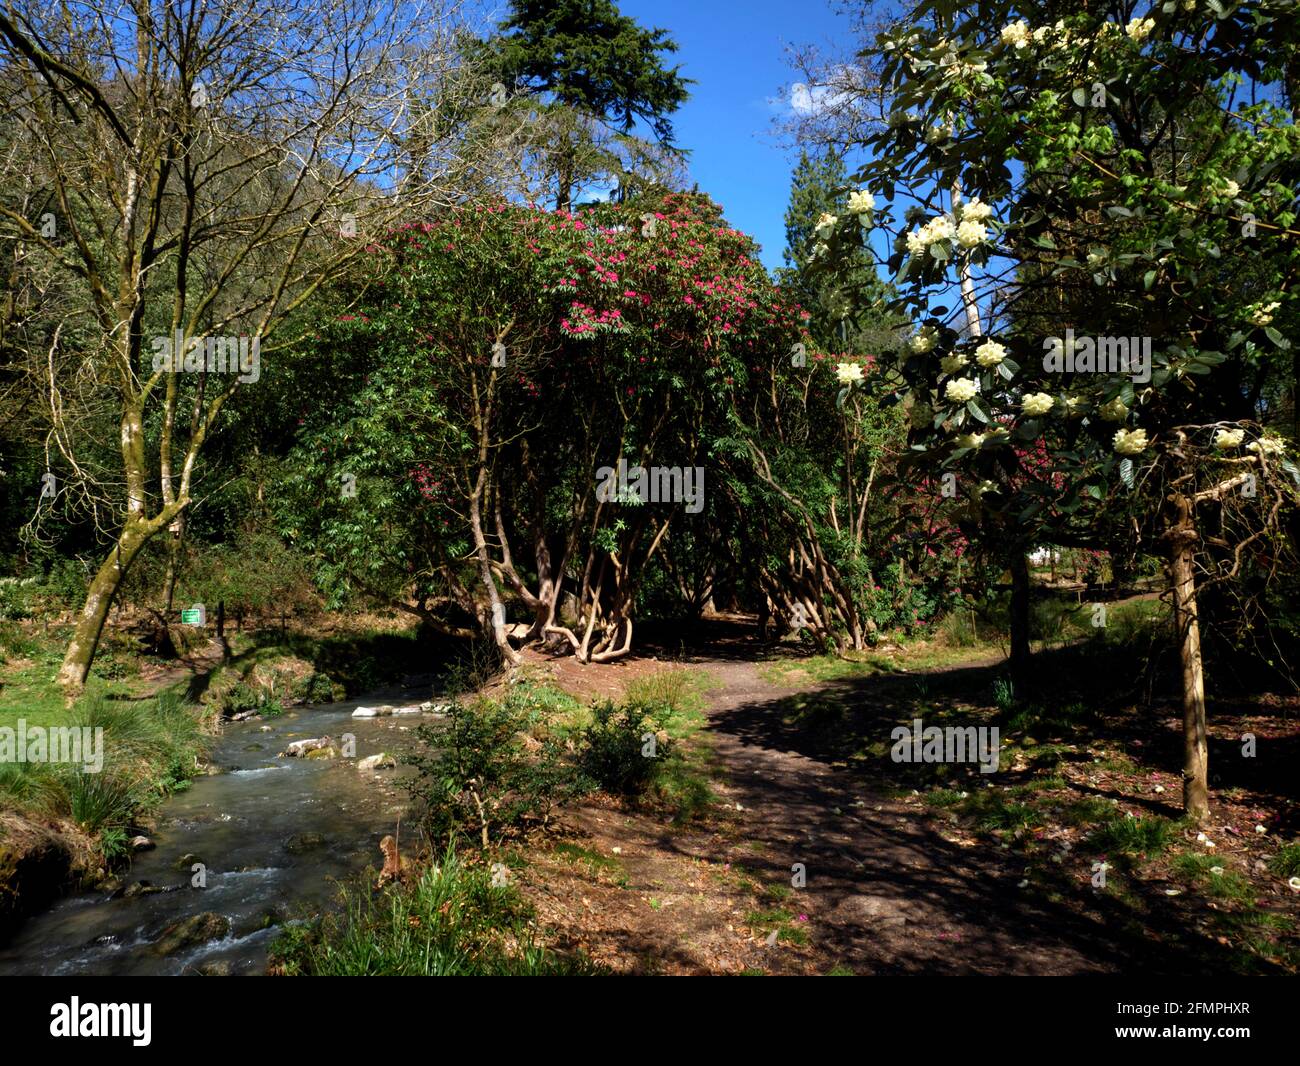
pixel 275 836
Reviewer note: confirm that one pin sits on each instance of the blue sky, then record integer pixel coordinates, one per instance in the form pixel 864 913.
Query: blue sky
pixel 737 52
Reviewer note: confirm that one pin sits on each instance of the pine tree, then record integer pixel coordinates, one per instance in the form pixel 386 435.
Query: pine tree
pixel 846 307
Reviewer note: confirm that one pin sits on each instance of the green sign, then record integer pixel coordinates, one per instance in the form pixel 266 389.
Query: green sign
pixel 191 616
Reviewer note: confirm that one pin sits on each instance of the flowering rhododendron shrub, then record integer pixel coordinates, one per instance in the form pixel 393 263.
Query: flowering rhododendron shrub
pixel 502 358
pixel 509 373
pixel 1123 182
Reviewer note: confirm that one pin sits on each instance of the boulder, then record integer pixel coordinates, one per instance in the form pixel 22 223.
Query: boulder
pixel 872 910
pixel 196 929
pixel 301 748
pixel 373 712
pixel 382 761
pixel 295 845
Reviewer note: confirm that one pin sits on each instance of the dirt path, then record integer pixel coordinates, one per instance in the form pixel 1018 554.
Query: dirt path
pixel 883 893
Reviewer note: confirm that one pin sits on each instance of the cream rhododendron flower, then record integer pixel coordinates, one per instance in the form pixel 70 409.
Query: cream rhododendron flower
pixel 861 202
pixel 1115 411
pixel 970 440
pixel 1037 403
pixel 1229 438
pixel 951 364
pixel 848 373
pixel 959 390
pixel 1267 446
pixel 1017 34
pixel 826 223
pixel 1140 29
pixel 939 228
pixel 922 341
pixel 1075 406
pixel 1231 188
pixel 976 210
pixel 1130 441
pixel 971 234
pixel 990 354
pixel 1263 316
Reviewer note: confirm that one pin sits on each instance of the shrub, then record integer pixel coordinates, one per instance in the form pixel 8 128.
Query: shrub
pixel 245 697
pixel 477 778
pixel 625 748
pixel 13 601
pixel 318 689
pixel 66 583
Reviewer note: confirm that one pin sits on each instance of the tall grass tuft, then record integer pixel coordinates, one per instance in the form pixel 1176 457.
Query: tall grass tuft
pixel 451 922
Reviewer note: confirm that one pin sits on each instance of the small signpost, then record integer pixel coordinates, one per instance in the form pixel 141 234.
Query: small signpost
pixel 194 616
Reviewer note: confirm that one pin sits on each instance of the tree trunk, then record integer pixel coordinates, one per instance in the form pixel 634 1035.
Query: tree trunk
pixel 173 565
pixel 1019 611
pixel 1187 626
pixel 99 600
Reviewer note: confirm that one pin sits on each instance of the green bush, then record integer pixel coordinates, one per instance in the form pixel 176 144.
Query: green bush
pixel 66 583
pixel 13 602
pixel 477 778
pixel 100 801
pixel 626 747
pixel 244 697
pixel 317 689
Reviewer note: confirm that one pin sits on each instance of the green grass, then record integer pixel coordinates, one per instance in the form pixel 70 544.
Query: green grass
pixel 149 748
pixel 1225 884
pixel 1286 863
pixel 920 655
pixel 788 928
pixel 1086 811
pixel 594 860
pixel 1130 837
pixel 942 797
pixel 993 810
pixel 450 922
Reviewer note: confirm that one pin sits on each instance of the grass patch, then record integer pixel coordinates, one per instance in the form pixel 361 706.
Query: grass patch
pixel 594 861
pixel 1131 837
pixel 1286 863
pixel 1209 874
pixel 942 797
pixel 149 748
pixel 451 922
pixel 786 924
pixel 992 810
